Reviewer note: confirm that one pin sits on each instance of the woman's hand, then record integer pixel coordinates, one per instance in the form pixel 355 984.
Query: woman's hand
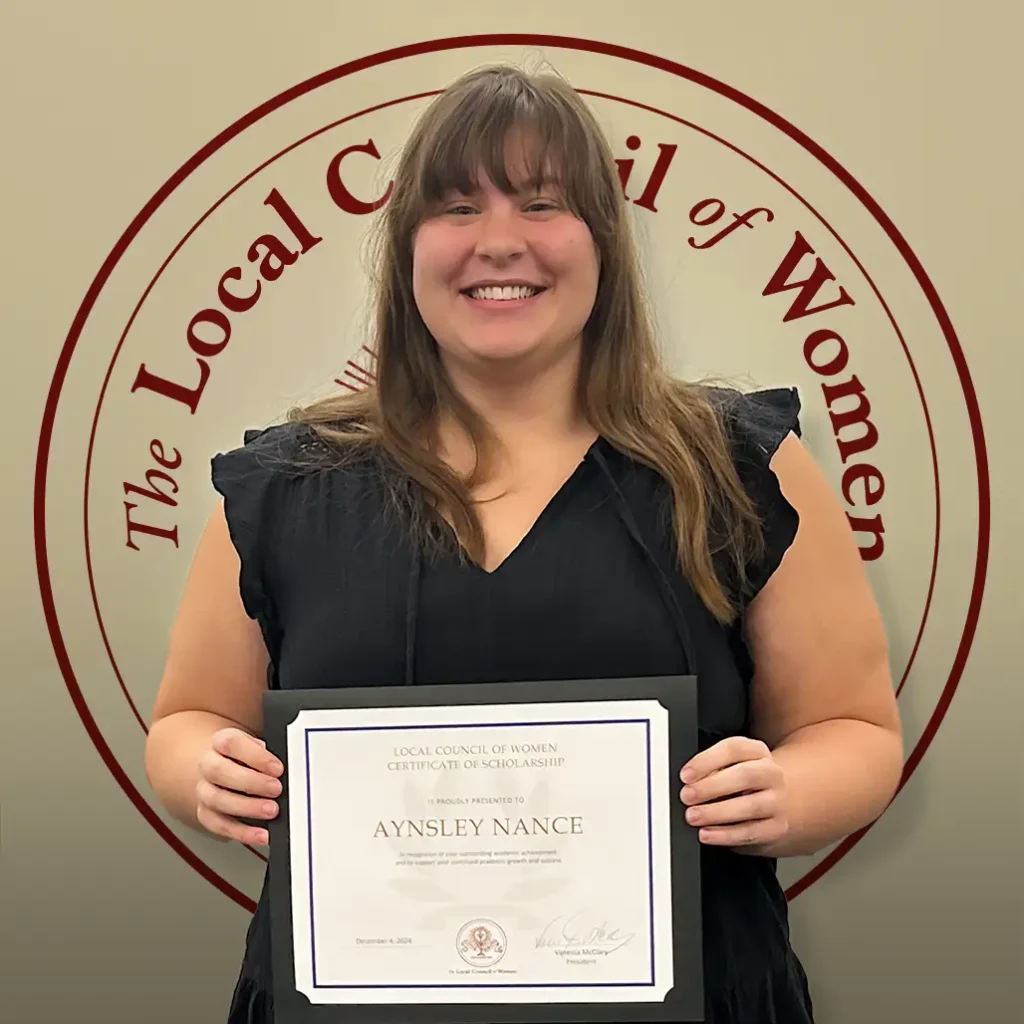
pixel 238 778
pixel 735 794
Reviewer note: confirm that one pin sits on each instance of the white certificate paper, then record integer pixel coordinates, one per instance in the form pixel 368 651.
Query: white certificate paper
pixel 481 854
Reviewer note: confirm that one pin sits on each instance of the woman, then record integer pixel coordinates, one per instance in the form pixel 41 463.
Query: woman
pixel 525 494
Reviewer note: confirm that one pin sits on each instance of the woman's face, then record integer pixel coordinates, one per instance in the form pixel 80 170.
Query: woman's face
pixel 501 278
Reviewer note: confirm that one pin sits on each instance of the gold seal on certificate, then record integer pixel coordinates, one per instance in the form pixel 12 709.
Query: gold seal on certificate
pixel 481 854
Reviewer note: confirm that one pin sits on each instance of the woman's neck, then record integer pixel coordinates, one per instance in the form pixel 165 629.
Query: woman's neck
pixel 524 411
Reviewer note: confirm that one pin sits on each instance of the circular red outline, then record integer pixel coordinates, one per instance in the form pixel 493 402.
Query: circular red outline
pixel 452 43
pixel 415 96
pixel 405 99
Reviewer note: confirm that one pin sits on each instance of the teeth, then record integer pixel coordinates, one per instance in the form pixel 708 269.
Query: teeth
pixel 509 292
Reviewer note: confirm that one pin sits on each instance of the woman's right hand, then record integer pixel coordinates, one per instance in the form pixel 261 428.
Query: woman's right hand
pixel 238 778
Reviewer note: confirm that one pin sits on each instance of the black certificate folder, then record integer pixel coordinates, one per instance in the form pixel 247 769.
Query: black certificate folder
pixel 485 853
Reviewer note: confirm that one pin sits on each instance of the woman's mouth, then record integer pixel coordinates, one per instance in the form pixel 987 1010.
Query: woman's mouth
pixel 504 296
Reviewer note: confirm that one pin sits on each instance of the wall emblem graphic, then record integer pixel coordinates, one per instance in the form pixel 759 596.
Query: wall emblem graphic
pixel 238 291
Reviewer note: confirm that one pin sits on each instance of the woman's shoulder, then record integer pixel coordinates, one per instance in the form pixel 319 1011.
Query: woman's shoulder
pixel 756 422
pixel 281 447
pixel 285 470
pixel 290 451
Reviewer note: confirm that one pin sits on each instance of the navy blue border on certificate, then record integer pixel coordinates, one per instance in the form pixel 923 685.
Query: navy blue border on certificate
pixel 652 980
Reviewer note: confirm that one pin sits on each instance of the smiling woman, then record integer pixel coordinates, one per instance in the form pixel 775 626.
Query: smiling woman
pixel 503 274
pixel 566 510
pixel 508 178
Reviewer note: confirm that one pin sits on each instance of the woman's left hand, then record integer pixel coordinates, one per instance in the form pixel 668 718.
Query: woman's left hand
pixel 735 794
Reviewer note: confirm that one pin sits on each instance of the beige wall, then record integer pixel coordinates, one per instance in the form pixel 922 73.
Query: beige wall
pixel 919 102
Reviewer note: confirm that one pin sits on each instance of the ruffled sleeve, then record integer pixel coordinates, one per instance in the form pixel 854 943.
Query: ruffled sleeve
pixel 756 424
pixel 250 480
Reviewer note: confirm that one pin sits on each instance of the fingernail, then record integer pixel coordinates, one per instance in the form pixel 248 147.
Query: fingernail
pixel 687 775
pixel 276 766
pixel 263 838
pixel 270 809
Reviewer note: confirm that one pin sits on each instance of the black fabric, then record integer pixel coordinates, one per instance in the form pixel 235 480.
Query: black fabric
pixel 593 590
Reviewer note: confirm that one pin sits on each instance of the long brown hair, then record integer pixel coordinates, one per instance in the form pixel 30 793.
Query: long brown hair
pixel 669 425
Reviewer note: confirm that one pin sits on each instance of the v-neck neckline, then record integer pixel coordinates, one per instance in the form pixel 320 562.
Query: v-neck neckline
pixel 551 506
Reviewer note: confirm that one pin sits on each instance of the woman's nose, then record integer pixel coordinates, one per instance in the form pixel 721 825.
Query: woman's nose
pixel 501 235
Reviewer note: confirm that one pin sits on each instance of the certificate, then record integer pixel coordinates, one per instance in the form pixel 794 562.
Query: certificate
pixel 514 854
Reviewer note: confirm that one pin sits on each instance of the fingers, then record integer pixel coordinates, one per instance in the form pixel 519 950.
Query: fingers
pixel 224 801
pixel 221 771
pixel 222 825
pixel 749 807
pixel 747 833
pixel 720 755
pixel 733 793
pixel 247 750
pixel 736 778
pixel 238 778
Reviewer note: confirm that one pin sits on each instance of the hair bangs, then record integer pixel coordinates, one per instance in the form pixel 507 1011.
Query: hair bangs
pixel 516 136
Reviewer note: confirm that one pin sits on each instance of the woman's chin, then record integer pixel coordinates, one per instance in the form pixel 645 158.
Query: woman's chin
pixel 503 350
pixel 496 351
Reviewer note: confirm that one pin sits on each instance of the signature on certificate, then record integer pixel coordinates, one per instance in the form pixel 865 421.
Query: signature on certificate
pixel 582 929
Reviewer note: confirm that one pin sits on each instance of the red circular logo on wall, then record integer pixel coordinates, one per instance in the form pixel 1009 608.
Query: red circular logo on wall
pixel 239 290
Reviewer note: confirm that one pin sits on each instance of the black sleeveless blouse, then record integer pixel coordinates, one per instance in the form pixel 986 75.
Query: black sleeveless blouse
pixel 593 590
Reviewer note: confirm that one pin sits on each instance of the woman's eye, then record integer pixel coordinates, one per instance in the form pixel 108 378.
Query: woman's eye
pixel 460 208
pixel 546 206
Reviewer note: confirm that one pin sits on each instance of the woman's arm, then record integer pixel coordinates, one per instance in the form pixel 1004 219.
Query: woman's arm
pixel 823 699
pixel 214 676
pixel 826 754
